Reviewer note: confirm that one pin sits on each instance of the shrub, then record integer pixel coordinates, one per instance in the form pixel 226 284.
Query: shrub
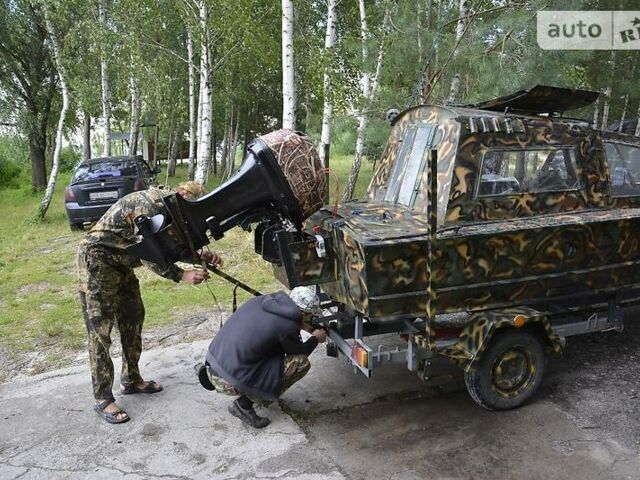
pixel 14 158
pixel 344 137
pixel 9 173
pixel 69 158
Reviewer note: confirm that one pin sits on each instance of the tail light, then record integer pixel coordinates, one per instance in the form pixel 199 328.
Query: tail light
pixel 360 355
pixel 69 196
pixel 139 184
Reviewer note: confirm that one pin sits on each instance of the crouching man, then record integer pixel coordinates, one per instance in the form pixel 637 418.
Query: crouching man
pixel 258 353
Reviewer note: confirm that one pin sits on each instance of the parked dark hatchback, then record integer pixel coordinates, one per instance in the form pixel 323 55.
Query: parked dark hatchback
pixel 99 182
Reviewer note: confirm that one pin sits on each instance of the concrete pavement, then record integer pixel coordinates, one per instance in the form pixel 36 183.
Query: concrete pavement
pixel 331 425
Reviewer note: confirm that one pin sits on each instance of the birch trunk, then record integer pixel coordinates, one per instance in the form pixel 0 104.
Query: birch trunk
pixel 596 113
pixel 624 113
pixel 234 147
pixel 134 124
pixel 204 141
pixel 214 150
pixel 225 145
pixel 192 107
pixel 228 167
pixel 86 136
pixel 48 194
pixel 637 132
pixel 307 109
pixel 198 130
pixel 369 88
pixel 454 93
pixel 106 92
pixel 173 153
pixel 288 79
pixel 327 110
pixel 419 23
pixel 605 108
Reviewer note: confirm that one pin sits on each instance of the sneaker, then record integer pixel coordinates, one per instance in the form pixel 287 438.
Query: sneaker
pixel 248 415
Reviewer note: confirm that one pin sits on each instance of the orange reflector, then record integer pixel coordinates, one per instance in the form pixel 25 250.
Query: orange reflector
pixel 360 356
pixel 519 321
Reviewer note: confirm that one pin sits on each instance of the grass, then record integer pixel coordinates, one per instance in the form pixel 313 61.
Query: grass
pixel 39 305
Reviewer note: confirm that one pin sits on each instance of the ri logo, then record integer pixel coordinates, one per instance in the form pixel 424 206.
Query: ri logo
pixel 631 34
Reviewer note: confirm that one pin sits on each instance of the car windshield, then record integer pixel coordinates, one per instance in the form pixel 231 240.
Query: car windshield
pixel 105 169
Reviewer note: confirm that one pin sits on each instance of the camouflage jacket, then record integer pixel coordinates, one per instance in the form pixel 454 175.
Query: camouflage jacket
pixel 115 231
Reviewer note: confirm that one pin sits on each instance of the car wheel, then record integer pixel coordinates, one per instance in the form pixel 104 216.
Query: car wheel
pixel 76 227
pixel 509 372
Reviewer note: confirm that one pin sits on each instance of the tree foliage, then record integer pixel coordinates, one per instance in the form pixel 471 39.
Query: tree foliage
pixel 498 54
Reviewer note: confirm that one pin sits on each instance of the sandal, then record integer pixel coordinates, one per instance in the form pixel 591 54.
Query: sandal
pixel 150 387
pixel 111 417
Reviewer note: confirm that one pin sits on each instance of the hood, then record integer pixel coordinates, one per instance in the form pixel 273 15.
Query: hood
pixel 281 304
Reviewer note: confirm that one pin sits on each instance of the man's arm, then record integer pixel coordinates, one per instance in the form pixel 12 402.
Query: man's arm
pixel 175 273
pixel 292 345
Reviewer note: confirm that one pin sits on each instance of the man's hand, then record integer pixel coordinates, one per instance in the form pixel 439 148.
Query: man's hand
pixel 320 334
pixel 212 258
pixel 194 277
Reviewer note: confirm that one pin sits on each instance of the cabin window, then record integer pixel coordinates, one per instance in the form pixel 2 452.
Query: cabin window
pixel 410 162
pixel 623 162
pixel 506 172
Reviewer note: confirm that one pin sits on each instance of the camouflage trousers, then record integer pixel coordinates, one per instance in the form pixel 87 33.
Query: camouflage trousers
pixel 110 295
pixel 295 367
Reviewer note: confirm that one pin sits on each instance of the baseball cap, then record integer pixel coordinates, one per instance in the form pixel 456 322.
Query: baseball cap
pixel 306 299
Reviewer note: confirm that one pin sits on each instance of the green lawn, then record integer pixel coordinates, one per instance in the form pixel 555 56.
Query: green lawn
pixel 39 306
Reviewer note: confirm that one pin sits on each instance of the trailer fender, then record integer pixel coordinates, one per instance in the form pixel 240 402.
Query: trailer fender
pixel 477 334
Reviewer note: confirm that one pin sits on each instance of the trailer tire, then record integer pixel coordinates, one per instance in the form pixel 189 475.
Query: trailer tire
pixel 509 372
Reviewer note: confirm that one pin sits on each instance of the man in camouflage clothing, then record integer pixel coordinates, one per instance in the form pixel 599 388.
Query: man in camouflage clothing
pixel 258 353
pixel 110 294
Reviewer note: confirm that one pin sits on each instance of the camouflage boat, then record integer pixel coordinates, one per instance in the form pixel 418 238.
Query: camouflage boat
pixel 489 233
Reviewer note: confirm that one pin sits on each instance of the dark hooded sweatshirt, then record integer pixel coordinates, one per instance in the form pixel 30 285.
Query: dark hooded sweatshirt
pixel 249 350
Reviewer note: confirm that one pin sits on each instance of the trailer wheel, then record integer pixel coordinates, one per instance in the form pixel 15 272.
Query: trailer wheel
pixel 509 372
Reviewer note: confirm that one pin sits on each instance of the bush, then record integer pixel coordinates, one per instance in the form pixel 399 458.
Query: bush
pixel 69 158
pixel 9 173
pixel 344 137
pixel 376 138
pixel 14 158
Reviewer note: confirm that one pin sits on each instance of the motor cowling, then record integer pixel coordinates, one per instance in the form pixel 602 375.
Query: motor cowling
pixel 281 178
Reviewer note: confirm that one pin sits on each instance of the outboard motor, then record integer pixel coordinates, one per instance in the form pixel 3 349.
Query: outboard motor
pixel 281 178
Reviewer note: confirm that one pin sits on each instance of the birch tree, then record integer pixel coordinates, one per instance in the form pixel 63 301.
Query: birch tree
pixel 327 111
pixel 86 136
pixel 288 76
pixel 104 79
pixel 192 106
pixel 461 26
pixel 204 140
pixel 369 87
pixel 605 108
pixel 134 124
pixel 44 205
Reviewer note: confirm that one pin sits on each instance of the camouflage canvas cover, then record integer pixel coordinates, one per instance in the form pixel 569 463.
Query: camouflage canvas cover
pixel 300 163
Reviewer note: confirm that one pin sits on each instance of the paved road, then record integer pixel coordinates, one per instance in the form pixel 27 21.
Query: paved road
pixel 584 424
